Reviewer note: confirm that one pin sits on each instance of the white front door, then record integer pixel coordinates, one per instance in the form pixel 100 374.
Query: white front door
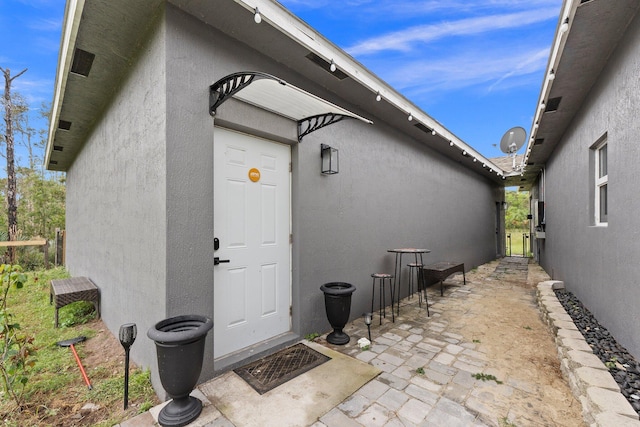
pixel 252 291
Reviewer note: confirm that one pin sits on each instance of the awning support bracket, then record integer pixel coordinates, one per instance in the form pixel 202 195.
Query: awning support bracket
pixel 313 123
pixel 228 86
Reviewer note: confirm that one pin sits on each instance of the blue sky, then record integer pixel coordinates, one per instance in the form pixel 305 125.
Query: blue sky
pixel 476 66
pixel 30 38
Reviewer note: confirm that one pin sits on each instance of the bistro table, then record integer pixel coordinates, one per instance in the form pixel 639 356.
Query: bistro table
pixel 398 271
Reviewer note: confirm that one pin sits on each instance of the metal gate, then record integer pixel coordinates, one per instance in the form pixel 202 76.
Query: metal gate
pixel 521 251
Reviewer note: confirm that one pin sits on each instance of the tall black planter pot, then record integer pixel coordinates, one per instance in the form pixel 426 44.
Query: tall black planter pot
pixel 180 351
pixel 337 303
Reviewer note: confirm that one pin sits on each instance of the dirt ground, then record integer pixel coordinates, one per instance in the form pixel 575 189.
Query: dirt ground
pixel 105 351
pixel 104 348
pixel 504 318
pixel 519 344
pixel 501 315
pixel 102 357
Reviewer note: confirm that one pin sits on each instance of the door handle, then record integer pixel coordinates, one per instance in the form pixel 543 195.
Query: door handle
pixel 217 260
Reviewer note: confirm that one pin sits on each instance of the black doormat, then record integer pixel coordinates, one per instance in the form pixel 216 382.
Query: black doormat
pixel 271 371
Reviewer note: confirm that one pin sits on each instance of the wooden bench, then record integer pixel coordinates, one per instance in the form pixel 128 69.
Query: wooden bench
pixel 440 271
pixel 66 291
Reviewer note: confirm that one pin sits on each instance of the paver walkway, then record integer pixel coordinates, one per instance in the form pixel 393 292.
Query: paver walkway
pixel 429 363
pixel 490 328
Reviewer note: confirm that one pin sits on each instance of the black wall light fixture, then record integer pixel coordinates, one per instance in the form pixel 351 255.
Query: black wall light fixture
pixel 329 159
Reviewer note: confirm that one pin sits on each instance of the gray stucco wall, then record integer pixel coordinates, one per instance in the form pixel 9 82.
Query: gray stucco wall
pixel 390 191
pixel 599 264
pixel 189 177
pixel 116 193
pixel 140 194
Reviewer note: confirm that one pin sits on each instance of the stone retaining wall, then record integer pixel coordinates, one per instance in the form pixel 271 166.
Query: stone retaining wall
pixel 589 379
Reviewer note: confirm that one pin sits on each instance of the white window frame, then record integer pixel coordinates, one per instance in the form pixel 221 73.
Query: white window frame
pixel 601 180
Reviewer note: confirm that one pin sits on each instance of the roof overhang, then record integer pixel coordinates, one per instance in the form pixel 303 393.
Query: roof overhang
pixel 294 47
pixel 276 95
pixel 580 51
pixel 111 33
pixel 309 54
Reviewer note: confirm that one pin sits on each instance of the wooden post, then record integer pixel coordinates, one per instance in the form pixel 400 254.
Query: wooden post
pixel 60 249
pixel 56 260
pixel 46 255
pixel 64 247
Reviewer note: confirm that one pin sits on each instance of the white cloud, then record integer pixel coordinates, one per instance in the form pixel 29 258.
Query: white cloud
pixel 411 8
pixel 458 7
pixel 47 45
pixel 35 90
pixel 321 4
pixel 44 24
pixel 486 71
pixel 406 40
pixel 532 62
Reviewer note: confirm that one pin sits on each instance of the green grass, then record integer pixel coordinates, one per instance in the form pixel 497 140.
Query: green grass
pixel 486 377
pixel 312 336
pixel 504 422
pixel 55 378
pixel 31 308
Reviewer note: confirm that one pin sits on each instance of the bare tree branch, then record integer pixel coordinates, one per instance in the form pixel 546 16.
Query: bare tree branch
pixel 12 214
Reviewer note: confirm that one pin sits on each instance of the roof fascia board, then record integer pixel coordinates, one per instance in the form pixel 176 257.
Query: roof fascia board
pixel 290 25
pixel 568 10
pixel 72 17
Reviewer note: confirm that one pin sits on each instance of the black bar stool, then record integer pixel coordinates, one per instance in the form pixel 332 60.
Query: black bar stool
pixel 382 281
pixel 417 267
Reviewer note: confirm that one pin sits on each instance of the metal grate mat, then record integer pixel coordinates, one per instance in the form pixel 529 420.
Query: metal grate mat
pixel 271 371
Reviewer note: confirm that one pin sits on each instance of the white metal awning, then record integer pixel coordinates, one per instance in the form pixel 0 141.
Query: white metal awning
pixel 276 95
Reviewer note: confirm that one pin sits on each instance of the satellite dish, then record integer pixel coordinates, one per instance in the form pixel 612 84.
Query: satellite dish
pixel 512 141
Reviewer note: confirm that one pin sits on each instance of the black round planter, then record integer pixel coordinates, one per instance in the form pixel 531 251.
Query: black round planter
pixel 180 350
pixel 337 303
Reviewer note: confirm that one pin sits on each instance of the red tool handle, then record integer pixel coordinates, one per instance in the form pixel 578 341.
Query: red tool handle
pixel 84 375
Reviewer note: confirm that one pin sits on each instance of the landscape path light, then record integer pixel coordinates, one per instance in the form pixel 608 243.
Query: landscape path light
pixel 367 320
pixel 127 336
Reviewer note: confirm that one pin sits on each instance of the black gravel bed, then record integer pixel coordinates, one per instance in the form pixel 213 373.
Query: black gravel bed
pixel 623 366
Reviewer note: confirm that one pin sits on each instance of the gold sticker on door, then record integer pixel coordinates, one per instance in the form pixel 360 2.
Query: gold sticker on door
pixel 254 175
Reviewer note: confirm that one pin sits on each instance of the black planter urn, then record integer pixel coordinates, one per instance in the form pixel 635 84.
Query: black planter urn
pixel 180 350
pixel 337 303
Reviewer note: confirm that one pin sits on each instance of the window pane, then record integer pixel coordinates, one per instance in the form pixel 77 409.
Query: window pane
pixel 603 203
pixel 602 161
